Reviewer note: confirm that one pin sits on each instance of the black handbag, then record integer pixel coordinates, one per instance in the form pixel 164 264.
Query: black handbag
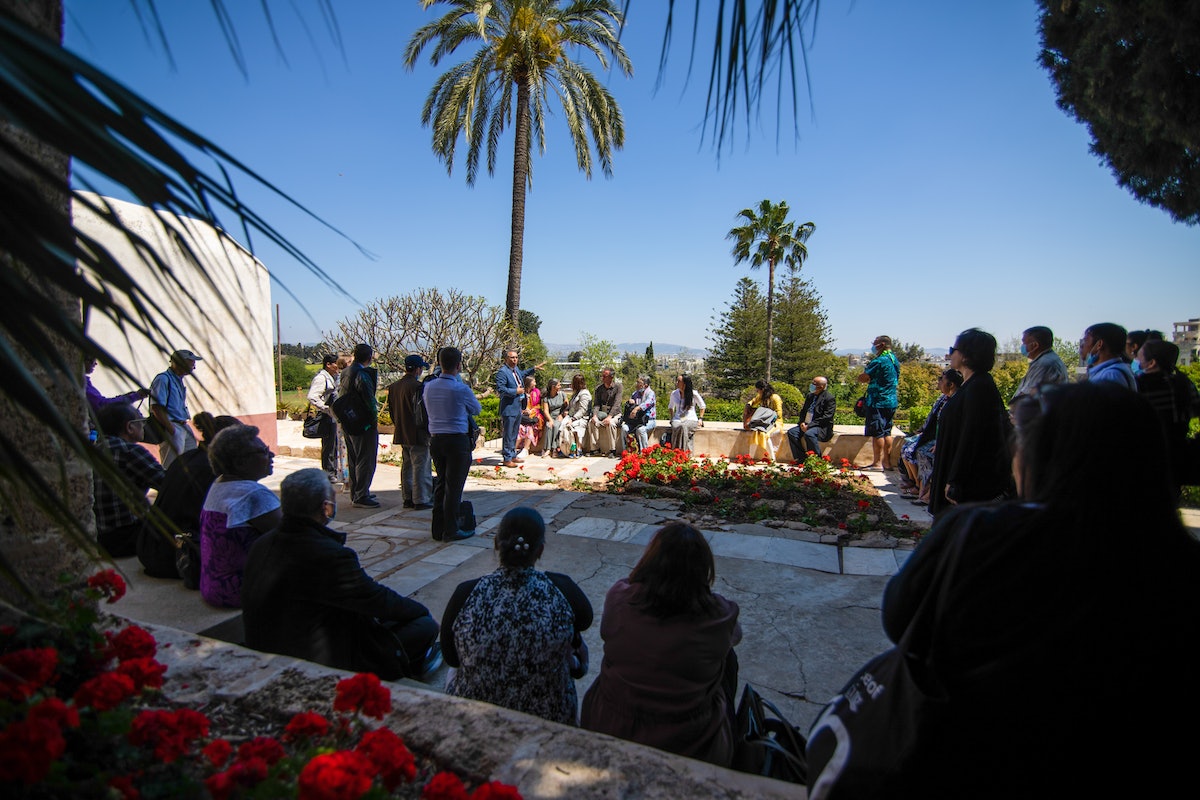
pixel 187 559
pixel 877 737
pixel 314 425
pixel 152 432
pixel 860 406
pixel 578 663
pixel 766 743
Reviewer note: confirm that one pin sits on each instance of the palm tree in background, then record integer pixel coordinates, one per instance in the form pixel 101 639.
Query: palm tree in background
pixel 768 237
pixel 522 58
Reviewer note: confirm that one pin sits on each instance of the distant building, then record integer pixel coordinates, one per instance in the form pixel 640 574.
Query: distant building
pixel 1187 337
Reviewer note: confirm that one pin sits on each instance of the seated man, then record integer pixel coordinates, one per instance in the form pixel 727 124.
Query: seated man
pixel 117 524
pixel 304 594
pixel 816 421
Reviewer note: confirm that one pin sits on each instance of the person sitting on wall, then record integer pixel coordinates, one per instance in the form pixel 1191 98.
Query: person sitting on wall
pixel 237 510
pixel 305 595
pixel 117 523
pixel 179 500
pixel 816 420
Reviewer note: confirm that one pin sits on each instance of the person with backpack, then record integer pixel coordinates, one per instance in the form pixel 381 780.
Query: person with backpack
pixel 407 408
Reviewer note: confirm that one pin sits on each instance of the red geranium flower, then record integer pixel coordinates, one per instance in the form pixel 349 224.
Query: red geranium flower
pixel 56 712
pixel 124 785
pixel 365 694
pixel 864 503
pixel 170 732
pixel 105 691
pixel 495 790
pixel 218 752
pixel 444 786
pixel 264 747
pixel 23 672
pixel 842 525
pixel 306 725
pixel 344 775
pixel 109 584
pixel 584 469
pixel 132 642
pixel 242 773
pixel 393 762
pixel 146 673
pixel 27 750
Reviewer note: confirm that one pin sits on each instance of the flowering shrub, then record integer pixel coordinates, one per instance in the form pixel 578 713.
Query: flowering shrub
pixel 82 715
pixel 814 491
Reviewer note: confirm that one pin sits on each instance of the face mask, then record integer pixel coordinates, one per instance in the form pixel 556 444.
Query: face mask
pixel 1137 367
pixel 332 513
pixel 1024 350
pixel 1091 360
pixel 812 387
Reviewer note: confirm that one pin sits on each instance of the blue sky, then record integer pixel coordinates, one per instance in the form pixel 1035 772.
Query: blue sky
pixel 947 188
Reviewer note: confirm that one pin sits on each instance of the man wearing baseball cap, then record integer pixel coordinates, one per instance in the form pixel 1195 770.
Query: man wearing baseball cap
pixel 412 434
pixel 168 406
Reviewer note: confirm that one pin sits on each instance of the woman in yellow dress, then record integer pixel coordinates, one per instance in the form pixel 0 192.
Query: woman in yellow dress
pixel 762 441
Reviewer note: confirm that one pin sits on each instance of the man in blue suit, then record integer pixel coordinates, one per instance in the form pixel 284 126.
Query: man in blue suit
pixel 510 385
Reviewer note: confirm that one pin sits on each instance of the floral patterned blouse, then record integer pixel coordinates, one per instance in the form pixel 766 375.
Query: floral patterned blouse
pixel 509 636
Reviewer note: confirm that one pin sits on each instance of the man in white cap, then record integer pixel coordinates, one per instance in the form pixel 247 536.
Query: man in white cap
pixel 168 406
pixel 407 408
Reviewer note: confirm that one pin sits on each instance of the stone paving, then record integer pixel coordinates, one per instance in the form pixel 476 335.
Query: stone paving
pixel 809 610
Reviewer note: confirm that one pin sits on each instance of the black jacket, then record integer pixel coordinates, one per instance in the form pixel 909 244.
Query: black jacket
pixel 823 406
pixel 305 595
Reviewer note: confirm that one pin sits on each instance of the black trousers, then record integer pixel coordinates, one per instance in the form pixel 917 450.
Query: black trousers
pixel 329 450
pixel 362 454
pixel 451 454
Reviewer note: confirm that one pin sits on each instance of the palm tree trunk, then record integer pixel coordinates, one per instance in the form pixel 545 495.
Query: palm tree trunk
pixel 516 253
pixel 770 314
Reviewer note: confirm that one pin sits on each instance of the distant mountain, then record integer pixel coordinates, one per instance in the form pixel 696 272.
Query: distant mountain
pixel 660 348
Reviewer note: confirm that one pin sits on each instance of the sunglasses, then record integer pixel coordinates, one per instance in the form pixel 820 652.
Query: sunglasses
pixel 953 350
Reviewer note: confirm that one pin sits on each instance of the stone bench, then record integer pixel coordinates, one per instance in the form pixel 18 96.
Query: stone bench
pixel 730 439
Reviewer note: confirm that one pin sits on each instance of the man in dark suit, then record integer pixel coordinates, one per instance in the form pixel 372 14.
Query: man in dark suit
pixel 816 420
pixel 510 385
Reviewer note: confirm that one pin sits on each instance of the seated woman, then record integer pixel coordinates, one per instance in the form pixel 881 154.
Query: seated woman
pixel 509 635
pixel 638 417
pixel 179 500
pixel 917 454
pixel 687 413
pixel 574 427
pixel 669 672
pixel 1074 606
pixel 554 412
pixel 529 431
pixel 237 511
pixel 762 441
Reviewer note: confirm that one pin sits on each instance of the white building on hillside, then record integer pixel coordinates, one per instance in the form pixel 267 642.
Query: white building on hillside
pixel 1187 337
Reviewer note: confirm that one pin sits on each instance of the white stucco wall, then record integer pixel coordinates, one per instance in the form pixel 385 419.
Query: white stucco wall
pixel 222 312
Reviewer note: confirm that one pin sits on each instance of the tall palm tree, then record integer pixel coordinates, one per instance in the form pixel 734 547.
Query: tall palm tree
pixel 769 237
pixel 523 50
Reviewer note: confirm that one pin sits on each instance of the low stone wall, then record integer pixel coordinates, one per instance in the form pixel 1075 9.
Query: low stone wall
pixel 849 442
pixel 544 760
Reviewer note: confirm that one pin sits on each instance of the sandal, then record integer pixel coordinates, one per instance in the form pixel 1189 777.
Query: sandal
pixel 918 502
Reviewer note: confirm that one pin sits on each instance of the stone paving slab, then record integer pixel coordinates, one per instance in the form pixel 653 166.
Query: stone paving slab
pixel 604 528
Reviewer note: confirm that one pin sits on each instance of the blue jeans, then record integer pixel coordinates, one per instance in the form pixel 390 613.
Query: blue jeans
pixel 641 433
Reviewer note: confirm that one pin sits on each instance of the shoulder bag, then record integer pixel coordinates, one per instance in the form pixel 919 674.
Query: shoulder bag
pixel 860 407
pixel 877 736
pixel 766 743
pixel 762 419
pixel 353 414
pixel 314 424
